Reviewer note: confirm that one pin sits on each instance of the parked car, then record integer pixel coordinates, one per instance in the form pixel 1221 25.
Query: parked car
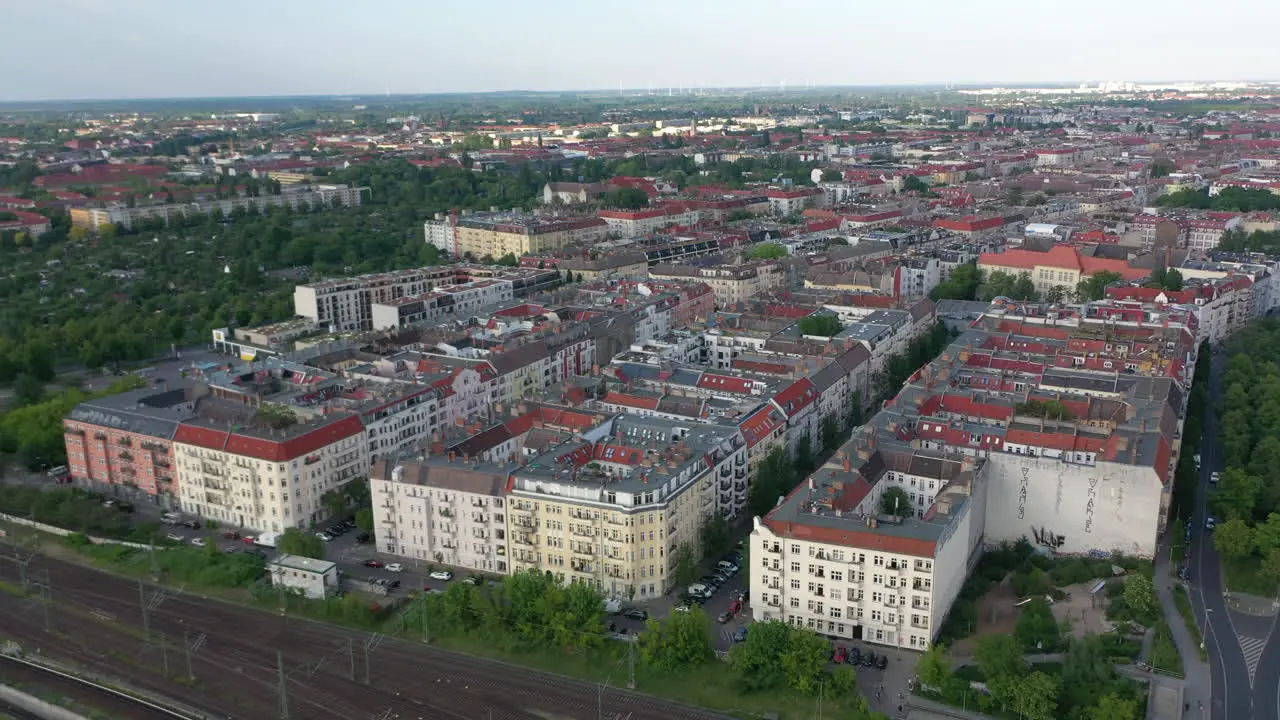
pixel 175 537
pixel 442 575
pixel 231 535
pixel 395 567
pixel 473 580
pixel 324 536
pixel 392 583
pixel 636 614
pixel 1214 477
pixel 192 524
pixel 1210 522
pixel 735 607
pixel 882 662
pixel 724 617
pixel 740 635
pixel 855 656
pixel 198 542
pixel 373 563
pixel 683 607
pixel 869 660
pixel 699 590
pixel 249 540
pixel 363 537
pixel 840 655
pixel 726 566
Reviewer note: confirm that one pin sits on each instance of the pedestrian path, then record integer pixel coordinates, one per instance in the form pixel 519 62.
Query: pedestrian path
pixel 1198 687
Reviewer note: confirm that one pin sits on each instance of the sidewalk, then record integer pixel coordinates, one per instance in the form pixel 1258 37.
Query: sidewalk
pixel 931 708
pixel 1198 685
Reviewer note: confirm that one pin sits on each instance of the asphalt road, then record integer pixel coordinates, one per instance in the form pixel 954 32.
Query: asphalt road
pixel 1235 696
pixel 95 620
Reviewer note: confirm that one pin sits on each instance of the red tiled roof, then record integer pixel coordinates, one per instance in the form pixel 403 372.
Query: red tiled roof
pixel 796 397
pixel 1061 256
pixel 270 450
pixel 712 381
pixel 635 401
pixel 760 424
pixel 969 224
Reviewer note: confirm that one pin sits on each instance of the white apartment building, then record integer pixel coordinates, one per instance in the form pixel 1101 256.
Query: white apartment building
pixel 346 304
pixel 267 479
pixel 826 558
pixel 444 510
pixel 294 198
pixel 1204 234
pixel 918 276
pixel 460 300
pixel 399 418
pixel 635 223
pixel 442 232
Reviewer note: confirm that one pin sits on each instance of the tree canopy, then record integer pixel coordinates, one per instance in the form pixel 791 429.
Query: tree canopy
pixel 961 285
pixel 999 283
pixel 767 251
pixel 1094 287
pixel 820 325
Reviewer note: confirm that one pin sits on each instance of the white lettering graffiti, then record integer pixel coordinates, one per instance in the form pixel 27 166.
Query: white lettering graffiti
pixel 1088 508
pixel 1022 494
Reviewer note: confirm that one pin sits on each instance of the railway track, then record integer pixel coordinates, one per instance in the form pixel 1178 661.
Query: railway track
pixel 43 683
pixel 96 620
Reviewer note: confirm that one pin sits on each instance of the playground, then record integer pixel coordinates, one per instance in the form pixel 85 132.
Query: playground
pixel 1084 606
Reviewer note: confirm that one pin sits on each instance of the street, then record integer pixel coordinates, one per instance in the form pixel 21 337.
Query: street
pixel 1244 657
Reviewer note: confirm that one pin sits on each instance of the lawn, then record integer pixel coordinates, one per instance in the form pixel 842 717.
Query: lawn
pixel 1164 653
pixel 1183 601
pixel 1244 576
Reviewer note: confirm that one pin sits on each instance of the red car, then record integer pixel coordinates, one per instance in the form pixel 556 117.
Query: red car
pixel 735 607
pixel 373 563
pixel 248 540
pixel 231 535
pixel 841 655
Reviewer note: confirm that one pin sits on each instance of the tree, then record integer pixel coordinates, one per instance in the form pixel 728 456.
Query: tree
pixel 626 198
pixel 1035 696
pixel 767 251
pixel 804 455
pixel 1055 294
pixel 1095 286
pixel 999 656
pixel 686 566
pixel 334 503
pixel 27 390
pixel 999 283
pixel 1013 196
pixel 715 536
pixel 934 668
pixel 1037 629
pixel 896 502
pixel 509 260
pixel 1238 492
pixel 820 325
pixel 678 642
pixel 832 176
pixel 1114 707
pixel 1234 538
pixel 830 431
pixel 1165 279
pixel 805 660
pixel 775 477
pixel 843 681
pixel 961 285
pixel 914 184
pixel 364 519
pixel 295 542
pixel 1140 596
pixel 756 662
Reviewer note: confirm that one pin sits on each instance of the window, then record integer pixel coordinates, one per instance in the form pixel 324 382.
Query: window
pixel 795 584
pixel 837 576
pixel 794 602
pixel 877 560
pixel 835 612
pixel 875 615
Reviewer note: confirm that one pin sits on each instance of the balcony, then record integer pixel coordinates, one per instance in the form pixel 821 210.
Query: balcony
pixel 75 431
pixel 726 486
pixel 740 488
pixel 125 442
pixel 581 531
pixel 163 464
pixel 726 500
pixel 740 474
pixel 923 585
pixel 920 624
pixel 725 470
pixel 126 456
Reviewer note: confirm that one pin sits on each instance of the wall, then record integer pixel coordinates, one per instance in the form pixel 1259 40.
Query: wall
pixel 1076 509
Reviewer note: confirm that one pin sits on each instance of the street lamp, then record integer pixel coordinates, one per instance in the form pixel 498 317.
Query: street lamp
pixel 1205 630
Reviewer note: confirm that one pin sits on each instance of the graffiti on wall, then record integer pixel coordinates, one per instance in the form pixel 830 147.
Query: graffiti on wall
pixel 1091 505
pixel 1022 493
pixel 1048 538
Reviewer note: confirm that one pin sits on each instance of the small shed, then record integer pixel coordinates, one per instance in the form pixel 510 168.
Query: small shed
pixel 315 578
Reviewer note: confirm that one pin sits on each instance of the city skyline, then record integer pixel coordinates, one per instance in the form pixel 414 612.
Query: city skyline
pixel 249 50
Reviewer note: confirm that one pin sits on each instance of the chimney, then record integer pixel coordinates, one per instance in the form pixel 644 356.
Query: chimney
pixel 848 462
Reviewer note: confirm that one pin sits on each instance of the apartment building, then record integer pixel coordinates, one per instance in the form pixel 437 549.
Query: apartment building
pixel 793 202
pixel 730 283
pixel 295 198
pixel 265 477
pixel 442 509
pixel 123 444
pixel 916 277
pixel 646 221
pixel 827 558
pixel 498 234
pixel 1204 234
pixel 461 300
pixel 1062 267
pixel 612 506
pixel 346 304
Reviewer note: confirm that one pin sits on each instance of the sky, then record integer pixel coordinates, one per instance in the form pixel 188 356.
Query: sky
pixel 81 49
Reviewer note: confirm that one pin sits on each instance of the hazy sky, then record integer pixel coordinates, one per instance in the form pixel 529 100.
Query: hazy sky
pixel 56 49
